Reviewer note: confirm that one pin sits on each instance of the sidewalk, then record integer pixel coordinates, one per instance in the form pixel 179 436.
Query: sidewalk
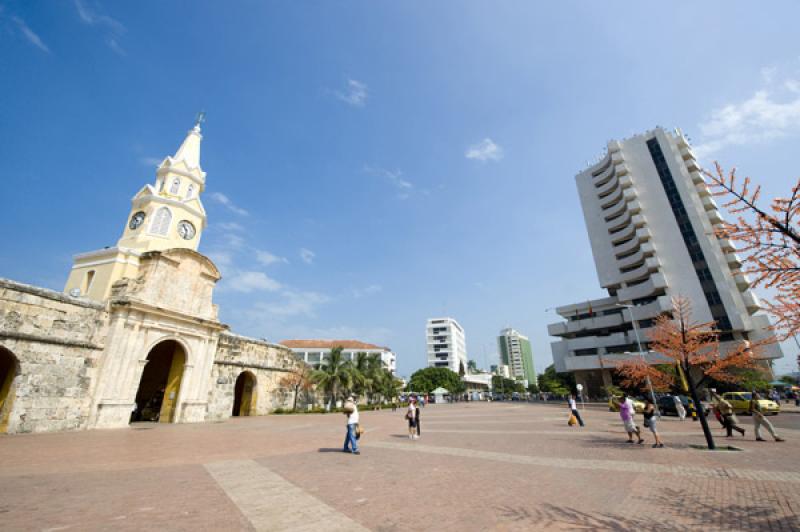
pixel 478 466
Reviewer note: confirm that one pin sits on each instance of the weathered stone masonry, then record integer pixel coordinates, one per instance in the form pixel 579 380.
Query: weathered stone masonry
pixel 57 342
pixel 79 361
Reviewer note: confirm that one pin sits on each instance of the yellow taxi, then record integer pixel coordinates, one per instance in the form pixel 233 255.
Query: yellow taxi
pixel 740 401
pixel 613 404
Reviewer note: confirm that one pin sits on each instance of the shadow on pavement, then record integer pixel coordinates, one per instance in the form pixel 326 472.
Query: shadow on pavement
pixel 330 450
pixel 670 504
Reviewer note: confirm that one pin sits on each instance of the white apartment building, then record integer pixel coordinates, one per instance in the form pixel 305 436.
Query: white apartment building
pixel 314 352
pixel 651 218
pixel 446 345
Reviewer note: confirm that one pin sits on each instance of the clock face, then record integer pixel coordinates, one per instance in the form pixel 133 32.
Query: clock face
pixel 136 220
pixel 186 230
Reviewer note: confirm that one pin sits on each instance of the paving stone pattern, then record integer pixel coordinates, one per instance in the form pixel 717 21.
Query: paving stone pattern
pixel 476 467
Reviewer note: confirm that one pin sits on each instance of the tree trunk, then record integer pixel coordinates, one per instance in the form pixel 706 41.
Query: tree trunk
pixel 296 391
pixel 698 407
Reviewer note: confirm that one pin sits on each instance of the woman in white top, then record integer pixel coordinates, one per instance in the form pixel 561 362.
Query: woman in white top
pixel 411 416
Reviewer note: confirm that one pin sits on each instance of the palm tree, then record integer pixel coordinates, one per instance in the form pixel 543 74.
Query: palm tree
pixel 374 374
pixel 362 381
pixel 390 385
pixel 335 376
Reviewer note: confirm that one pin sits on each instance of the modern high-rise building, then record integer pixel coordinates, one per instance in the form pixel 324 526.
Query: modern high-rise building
pixel 516 353
pixel 446 345
pixel 651 219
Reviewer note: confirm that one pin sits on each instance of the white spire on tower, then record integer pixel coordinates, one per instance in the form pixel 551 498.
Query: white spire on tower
pixel 189 151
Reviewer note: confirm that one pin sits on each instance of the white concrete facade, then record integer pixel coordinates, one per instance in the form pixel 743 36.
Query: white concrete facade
pixel 446 344
pixel 651 219
pixel 314 353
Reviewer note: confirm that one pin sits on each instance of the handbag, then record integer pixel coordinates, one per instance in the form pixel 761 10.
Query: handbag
pixel 359 431
pixel 572 420
pixel 646 423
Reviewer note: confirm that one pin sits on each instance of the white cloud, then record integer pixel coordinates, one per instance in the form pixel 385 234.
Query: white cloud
pixel 485 150
pixel 114 45
pixel 222 259
pixel 393 177
pixel 355 94
pixel 292 304
pixel 252 281
pixel 221 198
pixel 230 226
pixel 29 34
pixel 234 241
pixel 114 28
pixel 307 255
pixel 771 112
pixel 150 161
pixel 377 335
pixel 266 258
pixel 358 293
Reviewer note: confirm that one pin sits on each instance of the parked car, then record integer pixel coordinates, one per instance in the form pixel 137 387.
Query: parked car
pixel 741 403
pixel 638 405
pixel 666 405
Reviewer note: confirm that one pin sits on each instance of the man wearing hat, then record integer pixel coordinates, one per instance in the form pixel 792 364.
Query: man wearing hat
pixel 351 411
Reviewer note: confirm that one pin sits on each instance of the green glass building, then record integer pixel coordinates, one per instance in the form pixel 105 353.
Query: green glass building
pixel 516 353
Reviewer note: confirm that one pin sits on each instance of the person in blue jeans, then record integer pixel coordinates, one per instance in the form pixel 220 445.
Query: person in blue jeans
pixel 574 407
pixel 350 442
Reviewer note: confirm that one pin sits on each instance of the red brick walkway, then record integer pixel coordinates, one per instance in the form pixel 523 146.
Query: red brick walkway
pixel 477 467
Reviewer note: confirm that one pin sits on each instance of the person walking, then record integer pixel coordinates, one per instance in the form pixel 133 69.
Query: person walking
pixel 651 422
pixel 759 419
pixel 626 411
pixel 351 411
pixel 679 407
pixel 574 407
pixel 416 422
pixel 394 404
pixel 411 417
pixel 729 419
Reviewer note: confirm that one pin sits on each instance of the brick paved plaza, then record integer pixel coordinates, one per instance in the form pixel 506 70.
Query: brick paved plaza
pixel 510 466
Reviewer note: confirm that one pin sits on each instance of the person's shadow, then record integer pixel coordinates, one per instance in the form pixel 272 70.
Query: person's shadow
pixel 330 450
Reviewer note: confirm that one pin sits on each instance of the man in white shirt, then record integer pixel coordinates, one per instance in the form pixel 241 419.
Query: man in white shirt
pixel 350 442
pixel 574 407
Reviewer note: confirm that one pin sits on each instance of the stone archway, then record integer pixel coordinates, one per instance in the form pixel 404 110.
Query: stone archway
pixel 8 371
pixel 160 385
pixel 244 395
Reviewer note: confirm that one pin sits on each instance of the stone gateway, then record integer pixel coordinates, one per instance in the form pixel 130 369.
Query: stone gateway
pixel 135 335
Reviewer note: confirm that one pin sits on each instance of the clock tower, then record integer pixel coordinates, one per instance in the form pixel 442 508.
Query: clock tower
pixel 167 214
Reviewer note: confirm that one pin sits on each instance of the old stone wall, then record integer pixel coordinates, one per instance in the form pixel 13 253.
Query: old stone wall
pixel 268 362
pixel 57 341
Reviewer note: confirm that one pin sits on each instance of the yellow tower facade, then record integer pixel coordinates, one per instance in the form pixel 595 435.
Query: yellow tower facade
pixel 165 215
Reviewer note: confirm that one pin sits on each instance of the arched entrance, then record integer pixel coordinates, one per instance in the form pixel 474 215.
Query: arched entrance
pixel 8 370
pixel 160 385
pixel 244 394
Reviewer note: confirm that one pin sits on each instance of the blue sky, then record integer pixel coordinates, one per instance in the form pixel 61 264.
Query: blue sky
pixel 374 164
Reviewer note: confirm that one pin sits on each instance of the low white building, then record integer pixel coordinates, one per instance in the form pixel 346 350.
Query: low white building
pixel 446 345
pixel 313 352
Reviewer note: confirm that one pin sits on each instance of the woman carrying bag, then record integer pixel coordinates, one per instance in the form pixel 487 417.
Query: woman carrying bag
pixel 411 417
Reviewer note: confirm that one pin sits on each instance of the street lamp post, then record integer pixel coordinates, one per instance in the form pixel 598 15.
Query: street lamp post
pixel 641 354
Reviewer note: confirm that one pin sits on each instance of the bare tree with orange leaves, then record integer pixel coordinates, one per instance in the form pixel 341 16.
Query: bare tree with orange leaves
pixel 693 350
pixel 770 242
pixel 298 380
